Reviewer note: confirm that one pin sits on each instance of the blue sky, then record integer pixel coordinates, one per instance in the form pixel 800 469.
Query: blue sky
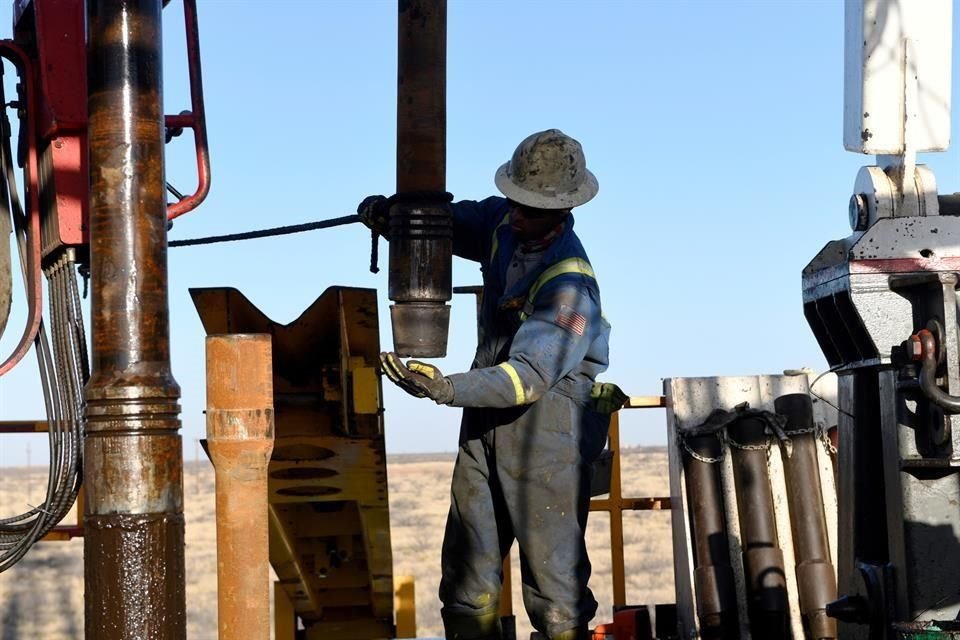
pixel 715 129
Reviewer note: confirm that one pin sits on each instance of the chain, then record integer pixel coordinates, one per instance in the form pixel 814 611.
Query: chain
pixel 820 433
pixel 825 440
pixel 817 430
pixel 700 458
pixel 748 447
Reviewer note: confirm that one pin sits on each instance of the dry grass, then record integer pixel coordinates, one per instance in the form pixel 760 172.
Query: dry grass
pixel 42 597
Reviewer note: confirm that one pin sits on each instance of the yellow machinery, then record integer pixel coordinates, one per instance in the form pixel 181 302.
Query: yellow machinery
pixel 328 506
pixel 329 520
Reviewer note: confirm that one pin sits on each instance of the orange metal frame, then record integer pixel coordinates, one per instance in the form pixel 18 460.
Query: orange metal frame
pixel 62 532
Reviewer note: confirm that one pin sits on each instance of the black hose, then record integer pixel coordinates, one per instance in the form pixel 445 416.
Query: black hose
pixel 265 233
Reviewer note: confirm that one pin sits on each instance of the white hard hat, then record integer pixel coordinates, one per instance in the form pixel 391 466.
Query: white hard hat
pixel 547 171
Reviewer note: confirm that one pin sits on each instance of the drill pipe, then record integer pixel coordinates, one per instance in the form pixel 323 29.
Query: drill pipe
pixel 240 441
pixel 815 574
pixel 133 461
pixel 713 575
pixel 421 225
pixel 762 558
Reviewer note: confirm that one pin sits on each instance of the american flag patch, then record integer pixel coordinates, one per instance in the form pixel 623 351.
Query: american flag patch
pixel 571 320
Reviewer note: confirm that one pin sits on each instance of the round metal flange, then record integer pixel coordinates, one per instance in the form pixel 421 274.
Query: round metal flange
pixel 858 213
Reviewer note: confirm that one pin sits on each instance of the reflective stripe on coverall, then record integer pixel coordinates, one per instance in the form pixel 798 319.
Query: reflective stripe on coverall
pixel 528 437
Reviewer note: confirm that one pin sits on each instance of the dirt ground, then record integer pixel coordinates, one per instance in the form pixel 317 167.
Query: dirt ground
pixel 42 597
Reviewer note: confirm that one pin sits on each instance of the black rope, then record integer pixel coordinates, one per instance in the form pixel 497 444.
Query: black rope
pixel 265 233
pixel 374 251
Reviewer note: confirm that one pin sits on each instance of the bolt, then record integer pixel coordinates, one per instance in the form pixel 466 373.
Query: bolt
pixel 914 348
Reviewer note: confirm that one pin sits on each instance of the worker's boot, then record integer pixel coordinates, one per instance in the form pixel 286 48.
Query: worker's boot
pixel 470 626
pixel 577 633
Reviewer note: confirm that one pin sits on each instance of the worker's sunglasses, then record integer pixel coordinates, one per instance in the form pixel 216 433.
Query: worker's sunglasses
pixel 531 213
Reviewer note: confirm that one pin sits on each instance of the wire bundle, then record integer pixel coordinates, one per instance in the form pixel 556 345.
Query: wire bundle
pixel 64 371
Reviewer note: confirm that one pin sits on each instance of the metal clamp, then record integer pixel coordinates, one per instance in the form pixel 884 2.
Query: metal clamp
pixel 194 119
pixel 923 348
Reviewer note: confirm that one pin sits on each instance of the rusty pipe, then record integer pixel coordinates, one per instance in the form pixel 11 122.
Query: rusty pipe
pixel 421 225
pixel 133 466
pixel 816 578
pixel 713 574
pixel 762 557
pixel 240 441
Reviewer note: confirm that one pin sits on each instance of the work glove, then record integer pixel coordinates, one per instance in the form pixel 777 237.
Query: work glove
pixel 607 397
pixel 419 379
pixel 374 211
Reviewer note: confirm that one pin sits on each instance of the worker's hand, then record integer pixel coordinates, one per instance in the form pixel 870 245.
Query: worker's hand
pixel 419 379
pixel 374 211
pixel 607 397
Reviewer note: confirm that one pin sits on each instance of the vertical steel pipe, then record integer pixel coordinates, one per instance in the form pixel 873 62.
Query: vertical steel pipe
pixel 421 95
pixel 713 575
pixel 815 575
pixel 421 226
pixel 762 557
pixel 133 467
pixel 240 441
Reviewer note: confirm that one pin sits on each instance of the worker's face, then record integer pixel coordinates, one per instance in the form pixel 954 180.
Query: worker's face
pixel 529 223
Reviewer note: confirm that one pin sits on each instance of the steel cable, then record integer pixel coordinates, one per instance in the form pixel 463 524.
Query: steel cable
pixel 266 233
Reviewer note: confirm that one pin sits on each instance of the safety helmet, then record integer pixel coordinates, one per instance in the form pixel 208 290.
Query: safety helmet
pixel 547 171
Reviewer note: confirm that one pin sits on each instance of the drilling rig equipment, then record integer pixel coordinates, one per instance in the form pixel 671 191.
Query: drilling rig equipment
pixel 133 459
pixel 864 297
pixel 329 540
pixel 421 224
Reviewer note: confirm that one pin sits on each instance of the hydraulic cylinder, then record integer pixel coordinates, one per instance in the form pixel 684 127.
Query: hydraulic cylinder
pixel 762 558
pixel 815 573
pixel 713 575
pixel 421 226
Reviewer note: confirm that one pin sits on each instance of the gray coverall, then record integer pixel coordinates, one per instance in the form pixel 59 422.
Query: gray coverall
pixel 528 436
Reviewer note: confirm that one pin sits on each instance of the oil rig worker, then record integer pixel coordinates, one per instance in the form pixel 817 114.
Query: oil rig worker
pixel 530 430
